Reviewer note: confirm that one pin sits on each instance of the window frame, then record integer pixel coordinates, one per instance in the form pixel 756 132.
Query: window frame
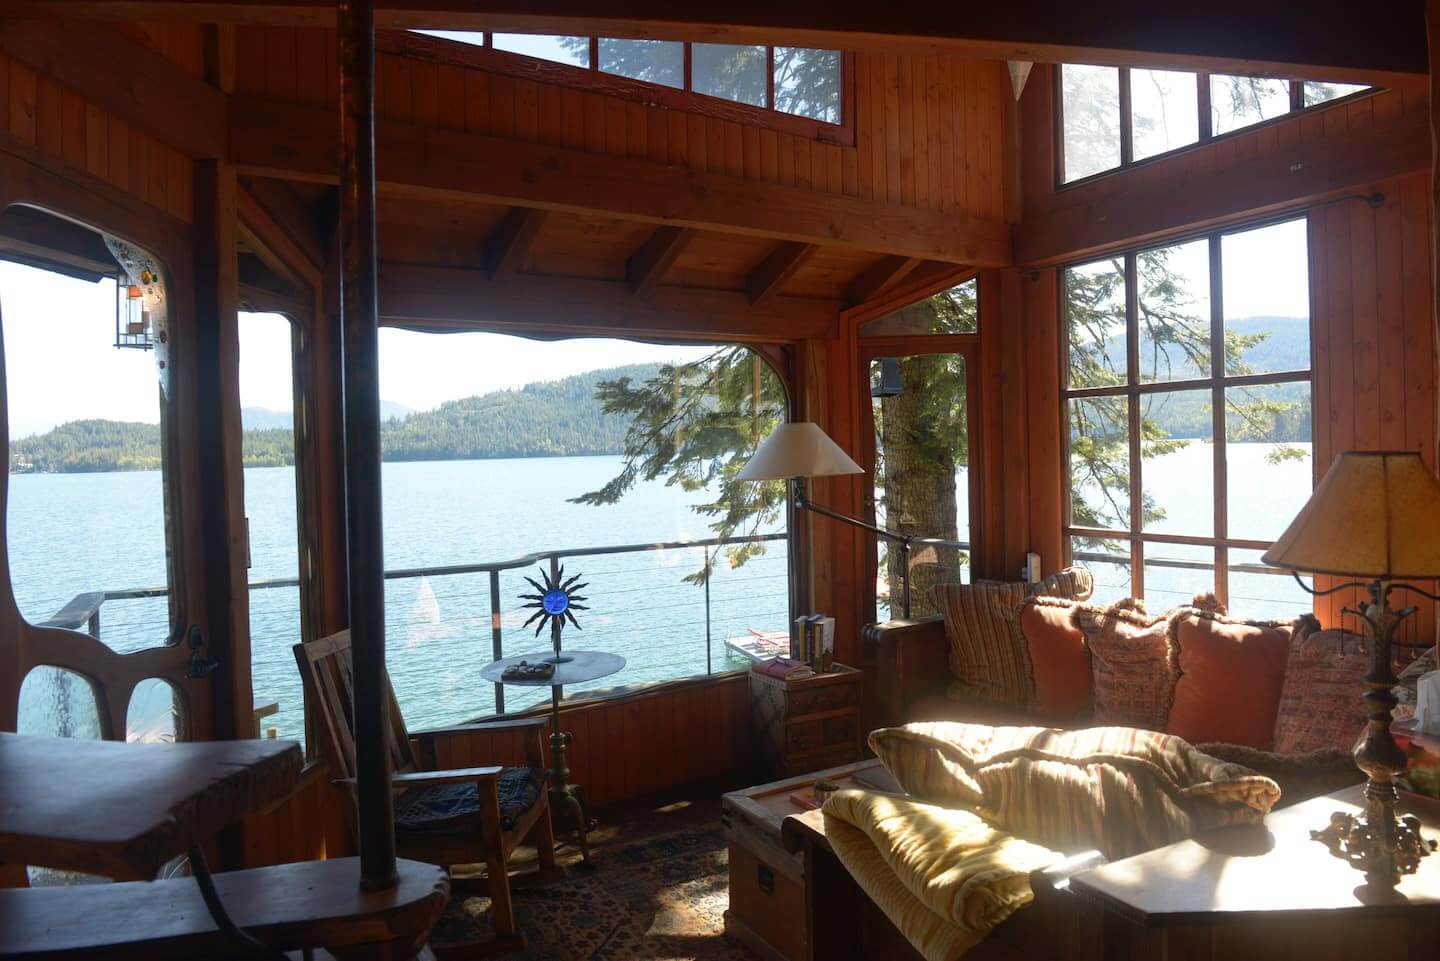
pixel 1134 389
pixel 592 79
pixel 1206 134
pixel 870 349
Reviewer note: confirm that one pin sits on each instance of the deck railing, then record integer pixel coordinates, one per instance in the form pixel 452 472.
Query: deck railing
pixel 83 612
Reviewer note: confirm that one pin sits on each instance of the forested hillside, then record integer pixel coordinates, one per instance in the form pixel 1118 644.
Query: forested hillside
pixel 550 419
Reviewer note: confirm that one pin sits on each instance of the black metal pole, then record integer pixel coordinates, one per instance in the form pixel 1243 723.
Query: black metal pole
pixel 360 315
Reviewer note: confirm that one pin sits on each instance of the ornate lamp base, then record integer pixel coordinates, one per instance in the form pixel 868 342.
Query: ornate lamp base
pixel 1384 847
pixel 1376 842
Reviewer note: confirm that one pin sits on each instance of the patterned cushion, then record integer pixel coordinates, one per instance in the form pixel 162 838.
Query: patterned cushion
pixel 1132 665
pixel 1231 673
pixel 1320 705
pixel 987 650
pixel 455 808
pixel 1119 790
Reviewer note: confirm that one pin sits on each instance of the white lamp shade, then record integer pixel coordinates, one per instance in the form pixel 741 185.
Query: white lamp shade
pixel 798 450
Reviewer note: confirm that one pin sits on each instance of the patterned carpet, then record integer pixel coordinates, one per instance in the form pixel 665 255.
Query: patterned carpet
pixel 659 898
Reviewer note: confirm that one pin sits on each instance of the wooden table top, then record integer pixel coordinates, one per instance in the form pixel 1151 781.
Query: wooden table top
pixel 123 810
pixel 1268 869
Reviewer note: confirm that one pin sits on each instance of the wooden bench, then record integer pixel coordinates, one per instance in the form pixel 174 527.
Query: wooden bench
pixel 289 906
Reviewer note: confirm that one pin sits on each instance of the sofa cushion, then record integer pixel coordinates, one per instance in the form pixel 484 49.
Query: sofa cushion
pixel 1119 790
pixel 1320 705
pixel 1059 660
pixel 1132 665
pixel 1231 673
pixel 987 651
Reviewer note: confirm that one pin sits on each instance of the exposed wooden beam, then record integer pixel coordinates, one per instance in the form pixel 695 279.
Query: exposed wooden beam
pixel 884 273
pixel 286 223
pixel 507 247
pixel 460 298
pixel 770 276
pixel 277 139
pixel 145 89
pixel 1175 194
pixel 646 267
pixel 272 244
pixel 32 237
pixel 1325 39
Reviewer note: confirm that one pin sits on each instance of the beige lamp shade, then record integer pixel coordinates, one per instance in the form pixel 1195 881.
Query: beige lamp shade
pixel 1375 514
pixel 798 450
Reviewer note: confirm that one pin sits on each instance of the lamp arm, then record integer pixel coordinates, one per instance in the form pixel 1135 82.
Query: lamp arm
pixel 804 503
pixel 1326 593
pixel 1415 590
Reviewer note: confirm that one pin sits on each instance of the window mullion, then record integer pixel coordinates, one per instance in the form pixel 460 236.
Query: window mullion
pixel 1206 128
pixel 688 66
pixel 770 78
pixel 1127 120
pixel 1132 378
pixel 595 54
pixel 1217 423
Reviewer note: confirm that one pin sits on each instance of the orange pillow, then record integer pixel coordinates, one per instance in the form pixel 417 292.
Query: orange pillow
pixel 1231 674
pixel 1059 661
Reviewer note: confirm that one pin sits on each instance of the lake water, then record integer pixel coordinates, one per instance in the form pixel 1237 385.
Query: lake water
pixel 72 533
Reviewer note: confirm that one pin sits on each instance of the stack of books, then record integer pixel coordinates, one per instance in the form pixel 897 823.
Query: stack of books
pixel 814 641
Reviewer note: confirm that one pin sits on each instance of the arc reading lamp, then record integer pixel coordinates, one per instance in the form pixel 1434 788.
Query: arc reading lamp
pixel 1375 517
pixel 796 452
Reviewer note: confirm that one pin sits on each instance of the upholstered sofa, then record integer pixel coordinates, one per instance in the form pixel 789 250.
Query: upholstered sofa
pixel 1280 697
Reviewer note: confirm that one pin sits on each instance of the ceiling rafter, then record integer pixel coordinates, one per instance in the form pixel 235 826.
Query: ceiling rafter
pixel 508 246
pixel 646 267
pixel 766 280
pixel 880 276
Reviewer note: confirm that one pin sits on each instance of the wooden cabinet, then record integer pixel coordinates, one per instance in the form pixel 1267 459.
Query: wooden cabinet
pixel 809 723
pixel 767 883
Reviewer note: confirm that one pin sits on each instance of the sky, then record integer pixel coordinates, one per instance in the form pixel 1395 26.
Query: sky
pixel 62 365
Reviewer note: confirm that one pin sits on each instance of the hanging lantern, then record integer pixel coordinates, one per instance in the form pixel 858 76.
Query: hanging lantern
pixel 132 317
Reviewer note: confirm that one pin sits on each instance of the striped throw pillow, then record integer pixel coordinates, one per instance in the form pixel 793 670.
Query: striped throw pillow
pixel 988 656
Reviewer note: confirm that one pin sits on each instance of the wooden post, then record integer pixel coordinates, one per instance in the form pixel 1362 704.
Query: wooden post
pixel 360 345
pixel 1432 29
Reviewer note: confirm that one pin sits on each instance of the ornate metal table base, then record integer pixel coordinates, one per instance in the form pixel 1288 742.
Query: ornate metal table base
pixel 564 796
pixel 567 801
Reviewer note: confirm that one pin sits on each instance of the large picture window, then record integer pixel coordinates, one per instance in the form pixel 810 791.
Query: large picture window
pixel 1188 398
pixel 1111 117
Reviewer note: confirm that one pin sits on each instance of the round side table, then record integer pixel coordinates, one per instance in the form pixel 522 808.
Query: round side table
pixel 574 667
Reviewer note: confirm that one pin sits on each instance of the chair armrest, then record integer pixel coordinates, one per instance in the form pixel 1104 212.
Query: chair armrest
pixel 913 662
pixel 456 776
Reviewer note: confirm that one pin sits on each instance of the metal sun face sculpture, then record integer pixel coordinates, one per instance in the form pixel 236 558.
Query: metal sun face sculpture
pixel 556 600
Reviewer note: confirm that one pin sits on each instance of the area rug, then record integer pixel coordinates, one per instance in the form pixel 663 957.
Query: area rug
pixel 662 898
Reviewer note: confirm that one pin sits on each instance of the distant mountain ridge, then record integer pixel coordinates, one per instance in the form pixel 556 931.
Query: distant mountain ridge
pixel 547 419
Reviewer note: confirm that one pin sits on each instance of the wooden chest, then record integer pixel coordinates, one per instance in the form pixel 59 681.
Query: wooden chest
pixel 807 724
pixel 767 883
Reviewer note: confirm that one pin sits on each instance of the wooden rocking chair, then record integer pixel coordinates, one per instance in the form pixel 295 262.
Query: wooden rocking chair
pixel 445 817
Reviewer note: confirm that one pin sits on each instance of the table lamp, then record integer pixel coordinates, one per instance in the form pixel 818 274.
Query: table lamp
pixel 1375 517
pixel 801 450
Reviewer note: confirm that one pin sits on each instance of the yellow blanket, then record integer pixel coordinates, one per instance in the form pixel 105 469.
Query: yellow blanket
pixel 943 875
